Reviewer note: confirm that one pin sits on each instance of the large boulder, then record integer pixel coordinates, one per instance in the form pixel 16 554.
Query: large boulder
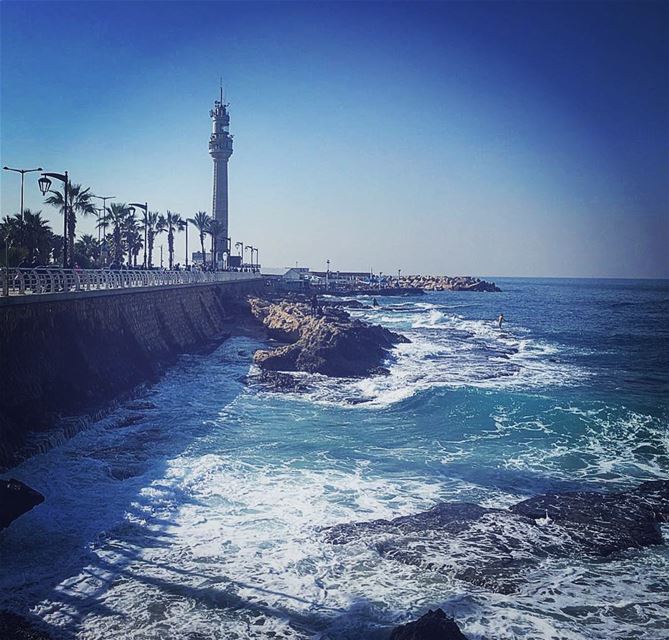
pixel 330 344
pixel 434 625
pixel 16 499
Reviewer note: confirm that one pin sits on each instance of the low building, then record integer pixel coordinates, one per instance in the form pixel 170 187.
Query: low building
pixel 287 278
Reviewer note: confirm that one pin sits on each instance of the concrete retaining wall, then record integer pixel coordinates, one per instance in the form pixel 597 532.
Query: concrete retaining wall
pixel 60 357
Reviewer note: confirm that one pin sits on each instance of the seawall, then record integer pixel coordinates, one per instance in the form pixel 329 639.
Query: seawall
pixel 67 354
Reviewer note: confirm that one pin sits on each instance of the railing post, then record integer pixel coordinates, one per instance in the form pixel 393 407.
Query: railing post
pixel 22 282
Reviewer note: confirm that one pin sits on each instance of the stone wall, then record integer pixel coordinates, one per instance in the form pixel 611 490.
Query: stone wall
pixel 61 357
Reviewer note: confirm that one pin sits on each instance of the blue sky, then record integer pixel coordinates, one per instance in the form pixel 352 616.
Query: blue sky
pixel 482 138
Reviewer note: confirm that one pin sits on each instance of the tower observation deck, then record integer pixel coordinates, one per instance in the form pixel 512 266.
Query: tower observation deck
pixel 220 150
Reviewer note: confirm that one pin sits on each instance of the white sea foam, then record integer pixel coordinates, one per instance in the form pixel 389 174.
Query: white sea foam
pixel 214 530
pixel 448 350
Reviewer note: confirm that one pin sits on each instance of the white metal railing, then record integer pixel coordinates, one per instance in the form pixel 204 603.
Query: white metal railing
pixel 43 280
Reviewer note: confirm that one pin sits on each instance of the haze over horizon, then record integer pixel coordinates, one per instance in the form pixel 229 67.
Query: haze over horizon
pixel 506 139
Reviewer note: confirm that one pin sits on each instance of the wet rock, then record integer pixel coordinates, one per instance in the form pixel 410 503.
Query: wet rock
pixel 434 625
pixel 14 627
pixel 16 499
pixel 448 517
pixel 599 523
pixel 496 548
pixel 278 381
pixel 332 344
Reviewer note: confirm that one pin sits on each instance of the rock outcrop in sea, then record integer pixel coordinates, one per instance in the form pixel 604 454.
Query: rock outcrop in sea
pixel 496 548
pixel 434 625
pixel 332 343
pixel 16 499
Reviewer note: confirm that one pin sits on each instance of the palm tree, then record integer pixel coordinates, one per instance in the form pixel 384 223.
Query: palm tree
pixel 201 220
pixel 215 230
pixel 79 201
pixel 174 222
pixel 154 224
pixel 116 216
pixel 133 238
pixel 29 236
pixel 87 250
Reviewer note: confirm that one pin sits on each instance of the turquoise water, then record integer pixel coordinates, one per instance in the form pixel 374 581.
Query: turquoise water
pixel 197 512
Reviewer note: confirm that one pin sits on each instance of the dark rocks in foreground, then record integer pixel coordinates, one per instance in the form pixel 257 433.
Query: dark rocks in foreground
pixel 331 344
pixel 16 499
pixel 14 627
pixel 434 625
pixel 494 548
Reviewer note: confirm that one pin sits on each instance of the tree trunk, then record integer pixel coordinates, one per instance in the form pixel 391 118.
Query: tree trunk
pixel 71 229
pixel 170 247
pixel 150 241
pixel 204 255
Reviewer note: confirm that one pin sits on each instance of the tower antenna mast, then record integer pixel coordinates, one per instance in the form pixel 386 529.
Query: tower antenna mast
pixel 221 82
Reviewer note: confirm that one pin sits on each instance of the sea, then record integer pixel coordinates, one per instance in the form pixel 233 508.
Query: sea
pixel 197 510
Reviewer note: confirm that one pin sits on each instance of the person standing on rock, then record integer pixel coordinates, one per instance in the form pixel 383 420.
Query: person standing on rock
pixel 314 304
pixel 500 320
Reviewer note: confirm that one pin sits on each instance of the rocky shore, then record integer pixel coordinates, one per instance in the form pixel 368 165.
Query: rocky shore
pixel 497 548
pixel 329 342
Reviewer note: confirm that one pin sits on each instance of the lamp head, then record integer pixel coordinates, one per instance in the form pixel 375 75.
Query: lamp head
pixel 44 185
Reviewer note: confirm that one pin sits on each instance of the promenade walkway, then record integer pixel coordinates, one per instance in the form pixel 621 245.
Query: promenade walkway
pixel 49 281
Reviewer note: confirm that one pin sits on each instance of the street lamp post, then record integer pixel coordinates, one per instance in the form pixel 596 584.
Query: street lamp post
pixel 250 248
pixel 104 220
pixel 186 230
pixel 144 207
pixel 5 283
pixel 23 173
pixel 327 275
pixel 44 186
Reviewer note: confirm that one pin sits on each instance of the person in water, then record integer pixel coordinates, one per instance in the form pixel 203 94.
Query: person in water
pixel 500 320
pixel 375 303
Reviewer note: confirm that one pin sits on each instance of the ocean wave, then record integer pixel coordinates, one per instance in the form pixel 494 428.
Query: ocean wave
pixel 449 350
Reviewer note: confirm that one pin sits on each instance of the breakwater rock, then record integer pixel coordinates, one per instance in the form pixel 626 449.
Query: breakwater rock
pixel 495 548
pixel 16 499
pixel 448 283
pixel 434 625
pixel 331 343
